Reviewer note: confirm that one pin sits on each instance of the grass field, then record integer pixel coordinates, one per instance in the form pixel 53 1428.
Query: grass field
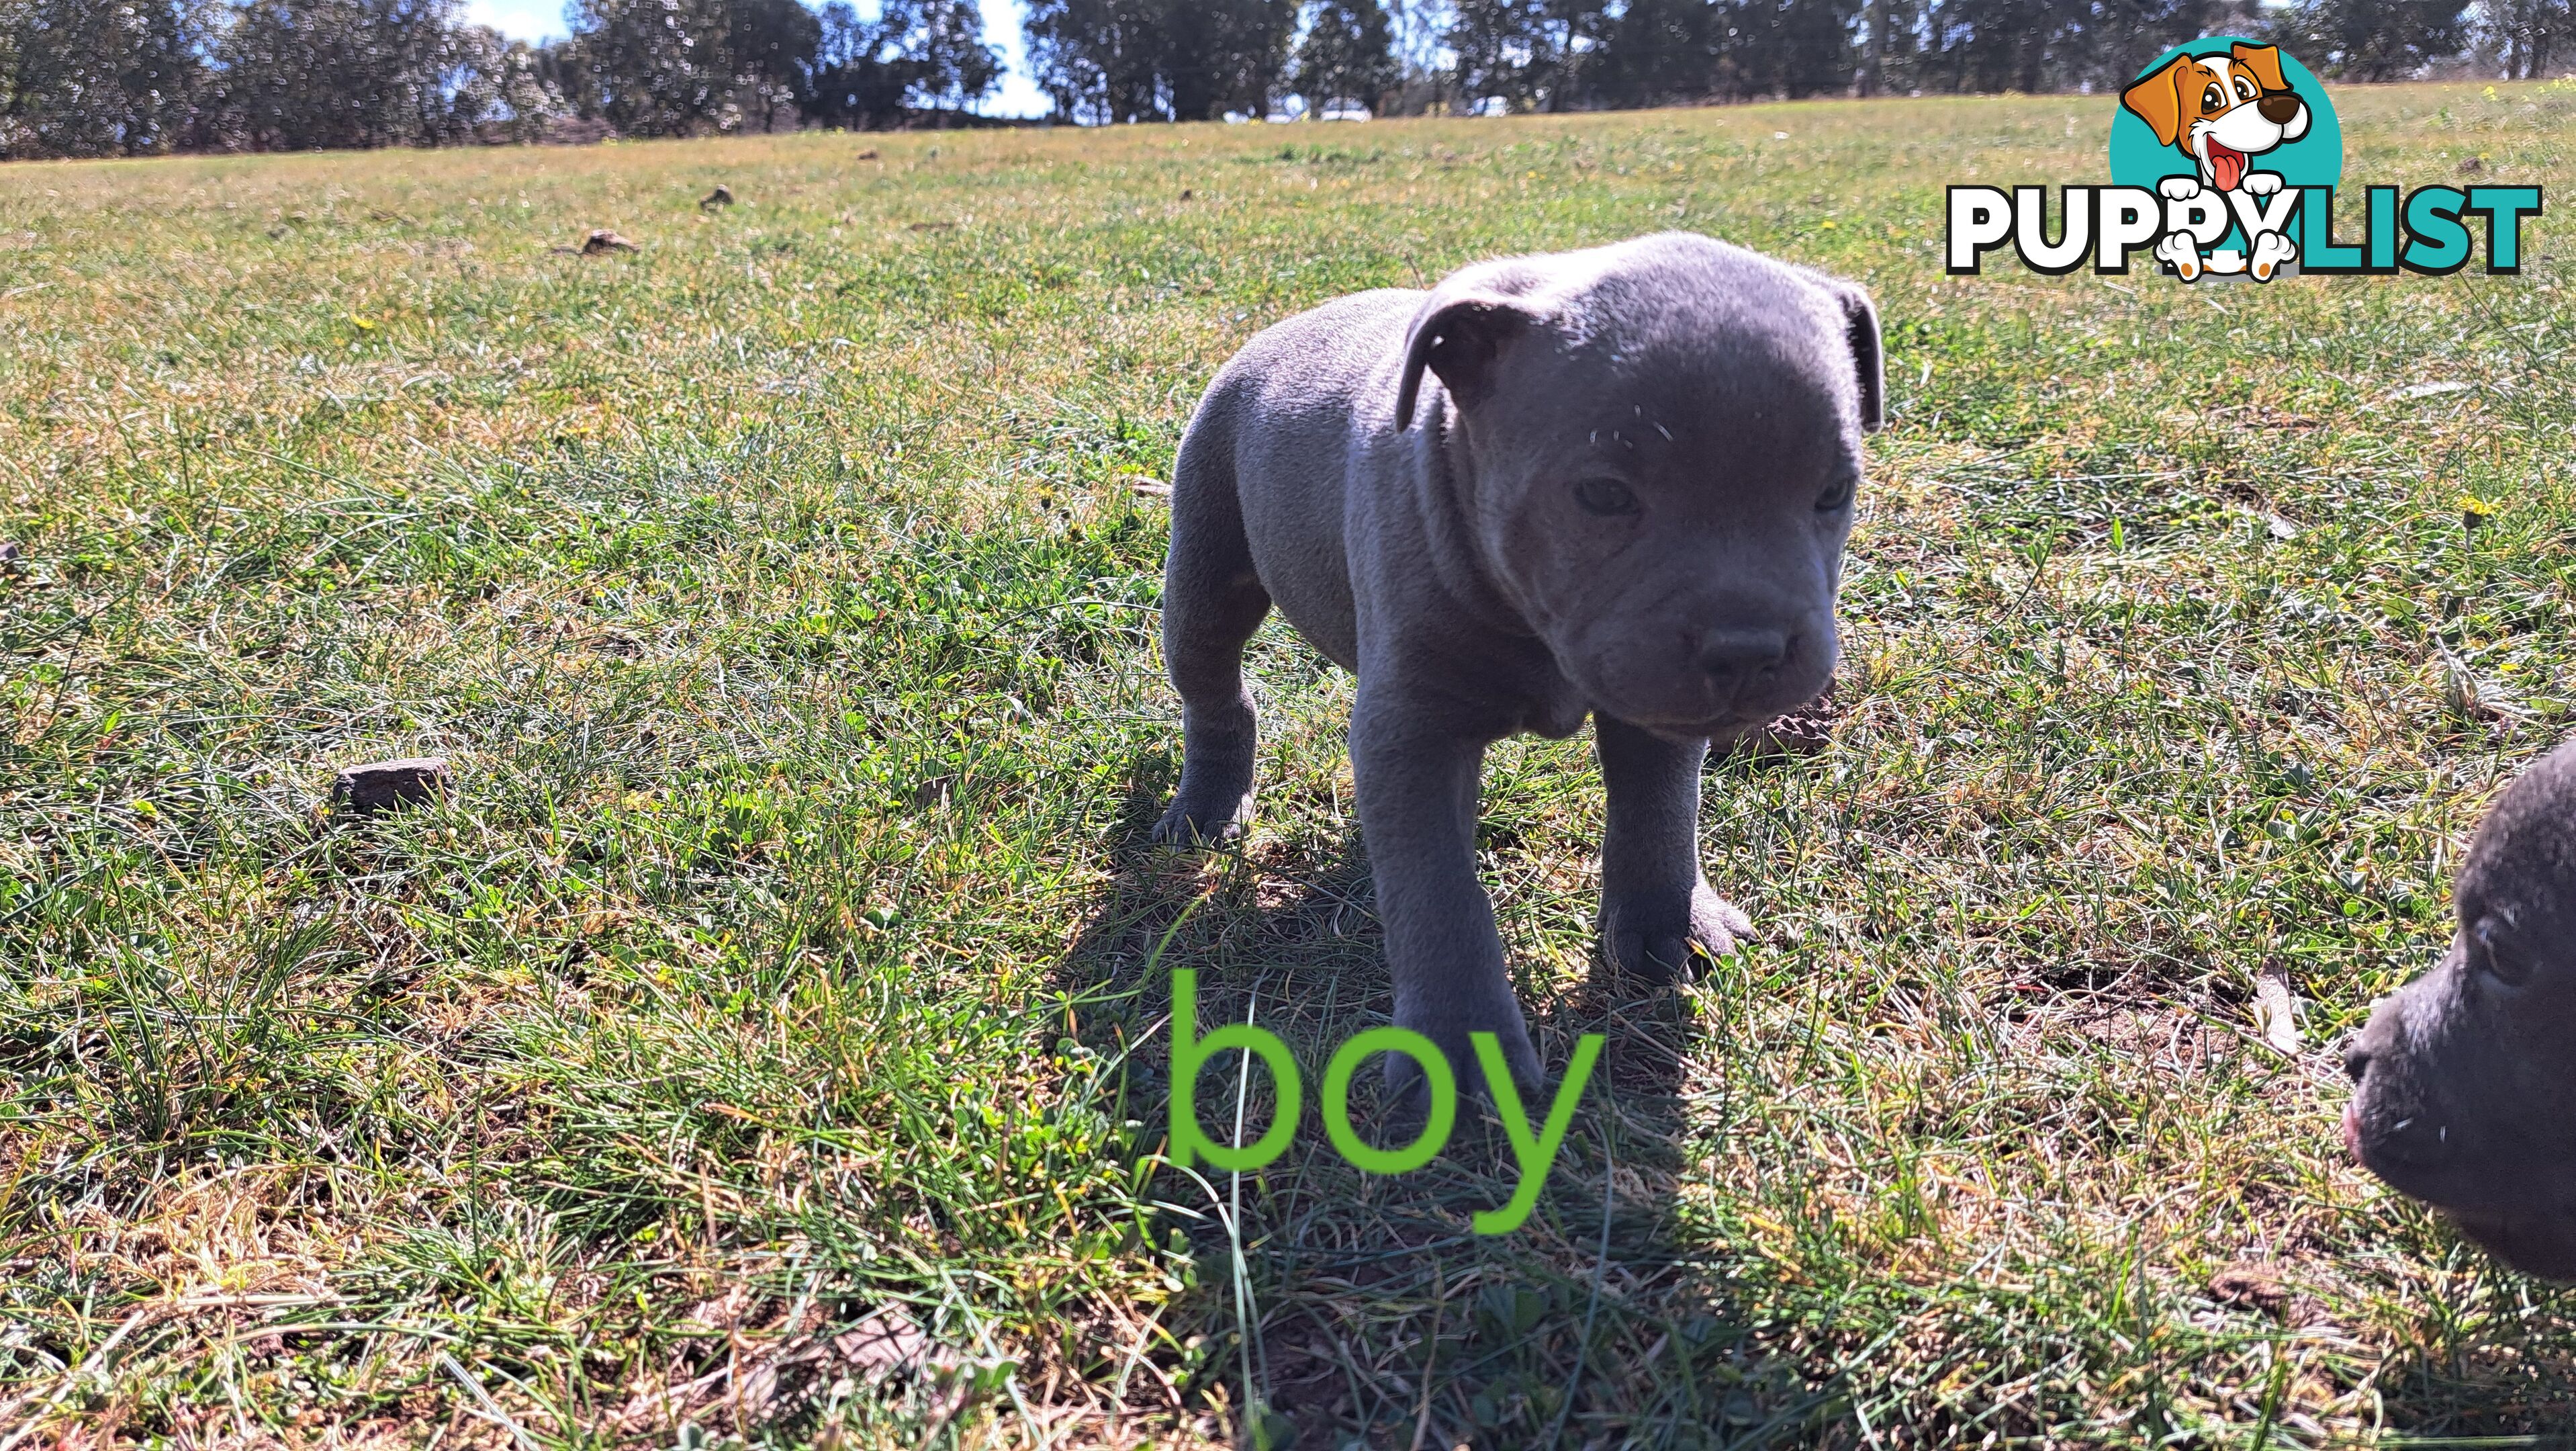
pixel 764 1038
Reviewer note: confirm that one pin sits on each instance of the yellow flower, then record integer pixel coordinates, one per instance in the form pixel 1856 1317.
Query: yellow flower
pixel 362 324
pixel 2472 504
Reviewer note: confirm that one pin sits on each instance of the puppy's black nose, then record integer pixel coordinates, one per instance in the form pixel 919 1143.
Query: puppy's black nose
pixel 2356 1059
pixel 1735 659
pixel 2279 107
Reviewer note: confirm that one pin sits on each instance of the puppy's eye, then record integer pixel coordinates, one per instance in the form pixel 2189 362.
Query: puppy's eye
pixel 1605 496
pixel 1838 494
pixel 2213 99
pixel 2244 89
pixel 2494 951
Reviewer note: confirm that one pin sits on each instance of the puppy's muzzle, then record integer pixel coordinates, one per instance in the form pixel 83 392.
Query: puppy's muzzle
pixel 2397 1131
pixel 2278 107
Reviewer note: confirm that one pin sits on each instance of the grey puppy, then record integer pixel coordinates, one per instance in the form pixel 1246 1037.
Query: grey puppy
pixel 2465 1078
pixel 1613 482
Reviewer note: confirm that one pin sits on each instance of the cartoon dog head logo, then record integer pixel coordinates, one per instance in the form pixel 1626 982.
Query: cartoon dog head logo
pixel 2225 158
pixel 2221 110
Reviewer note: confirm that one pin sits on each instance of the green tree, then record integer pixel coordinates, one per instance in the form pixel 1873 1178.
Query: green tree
pixel 685 67
pixel 2377 40
pixel 955 67
pixel 768 53
pixel 299 74
pixel 95 78
pixel 1664 52
pixel 658 65
pixel 1224 55
pixel 2529 34
pixel 927 54
pixel 2110 43
pixel 1991 45
pixel 859 79
pixel 1347 52
pixel 1499 45
pixel 1096 59
pixel 1791 48
pixel 1533 54
pixel 497 89
pixel 1152 60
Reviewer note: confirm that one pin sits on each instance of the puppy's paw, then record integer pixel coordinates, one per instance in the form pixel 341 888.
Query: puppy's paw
pixel 2178 250
pixel 1451 1025
pixel 2226 261
pixel 2179 188
pixel 1191 822
pixel 2271 250
pixel 1662 947
pixel 1712 913
pixel 2260 183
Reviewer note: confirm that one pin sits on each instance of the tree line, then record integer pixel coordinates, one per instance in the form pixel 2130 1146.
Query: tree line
pixel 140 77
pixel 144 77
pixel 1139 60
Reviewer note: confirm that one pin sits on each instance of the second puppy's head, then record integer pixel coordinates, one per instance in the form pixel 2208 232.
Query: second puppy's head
pixel 1665 439
pixel 2464 1081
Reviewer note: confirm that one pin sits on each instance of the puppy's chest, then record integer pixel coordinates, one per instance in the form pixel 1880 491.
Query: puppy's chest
pixel 1504 686
pixel 1556 715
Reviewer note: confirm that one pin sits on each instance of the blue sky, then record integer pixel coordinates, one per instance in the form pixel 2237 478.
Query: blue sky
pixel 543 20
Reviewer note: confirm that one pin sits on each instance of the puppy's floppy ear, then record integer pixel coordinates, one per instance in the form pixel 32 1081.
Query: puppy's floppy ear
pixel 1860 334
pixel 2264 61
pixel 1860 328
pixel 2156 98
pixel 1458 338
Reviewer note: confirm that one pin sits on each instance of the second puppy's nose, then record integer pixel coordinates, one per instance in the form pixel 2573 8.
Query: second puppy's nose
pixel 2279 108
pixel 1735 659
pixel 2419 1142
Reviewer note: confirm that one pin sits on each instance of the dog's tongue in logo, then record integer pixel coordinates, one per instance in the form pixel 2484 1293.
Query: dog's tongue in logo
pixel 2226 164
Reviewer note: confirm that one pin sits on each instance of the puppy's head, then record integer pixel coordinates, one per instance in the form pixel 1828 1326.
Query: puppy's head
pixel 1666 440
pixel 2220 110
pixel 2465 1079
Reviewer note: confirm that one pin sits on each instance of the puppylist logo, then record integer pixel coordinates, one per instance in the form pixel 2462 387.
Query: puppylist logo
pixel 2224 158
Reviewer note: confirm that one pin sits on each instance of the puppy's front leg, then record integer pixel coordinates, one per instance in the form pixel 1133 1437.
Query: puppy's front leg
pixel 1655 903
pixel 1417 781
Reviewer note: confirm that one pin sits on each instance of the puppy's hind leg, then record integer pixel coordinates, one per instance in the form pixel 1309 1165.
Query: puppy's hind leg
pixel 1212 602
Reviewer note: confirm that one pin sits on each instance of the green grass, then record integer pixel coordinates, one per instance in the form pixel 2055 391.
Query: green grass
pixel 765 1036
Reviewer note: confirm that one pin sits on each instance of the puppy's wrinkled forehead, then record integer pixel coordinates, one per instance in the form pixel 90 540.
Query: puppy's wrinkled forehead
pixel 1700 327
pixel 1764 369
pixel 1772 348
pixel 2523 859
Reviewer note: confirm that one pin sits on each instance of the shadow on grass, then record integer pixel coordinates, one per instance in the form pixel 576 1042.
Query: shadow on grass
pixel 1364 1310
pixel 2507 1386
